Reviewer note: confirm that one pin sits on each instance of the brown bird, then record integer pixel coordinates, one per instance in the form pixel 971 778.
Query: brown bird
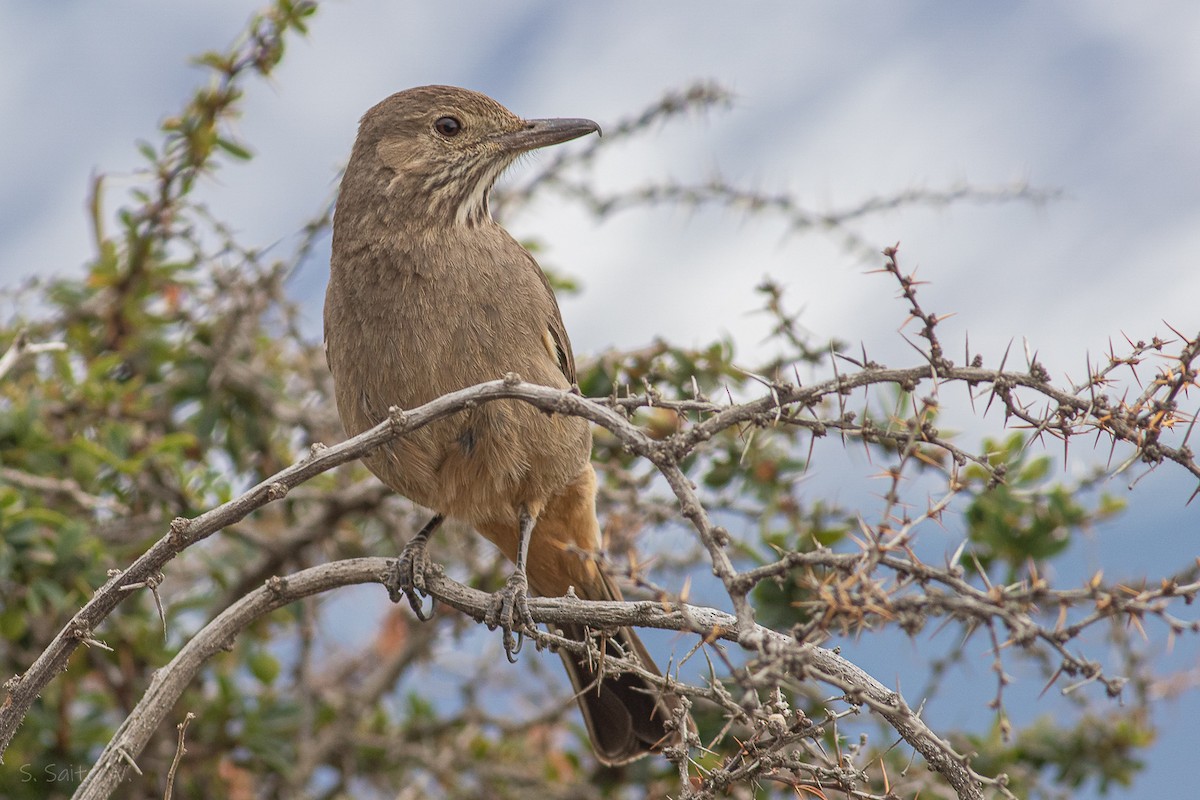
pixel 427 295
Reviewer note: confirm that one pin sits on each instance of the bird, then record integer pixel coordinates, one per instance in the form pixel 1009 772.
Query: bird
pixel 428 294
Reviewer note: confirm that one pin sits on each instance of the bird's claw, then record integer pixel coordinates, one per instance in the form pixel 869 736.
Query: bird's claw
pixel 509 610
pixel 407 578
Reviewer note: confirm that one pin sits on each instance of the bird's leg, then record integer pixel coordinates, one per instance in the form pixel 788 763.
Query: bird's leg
pixel 407 576
pixel 509 607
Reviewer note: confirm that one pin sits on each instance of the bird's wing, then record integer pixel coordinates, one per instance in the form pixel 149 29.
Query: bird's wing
pixel 558 344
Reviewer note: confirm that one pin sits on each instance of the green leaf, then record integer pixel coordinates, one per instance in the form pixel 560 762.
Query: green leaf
pixel 263 666
pixel 234 149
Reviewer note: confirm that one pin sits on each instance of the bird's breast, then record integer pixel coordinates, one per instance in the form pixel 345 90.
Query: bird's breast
pixel 432 323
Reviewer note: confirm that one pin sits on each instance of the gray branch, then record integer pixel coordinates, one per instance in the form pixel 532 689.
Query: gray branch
pixel 805 661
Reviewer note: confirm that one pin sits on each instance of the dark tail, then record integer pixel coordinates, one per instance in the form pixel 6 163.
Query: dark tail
pixel 626 716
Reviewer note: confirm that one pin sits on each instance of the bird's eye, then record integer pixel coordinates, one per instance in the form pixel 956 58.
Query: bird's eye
pixel 448 126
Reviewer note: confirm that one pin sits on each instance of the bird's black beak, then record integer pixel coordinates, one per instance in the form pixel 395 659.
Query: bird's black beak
pixel 545 132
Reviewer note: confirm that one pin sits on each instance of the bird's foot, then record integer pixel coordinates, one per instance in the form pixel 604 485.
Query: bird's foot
pixel 406 578
pixel 509 610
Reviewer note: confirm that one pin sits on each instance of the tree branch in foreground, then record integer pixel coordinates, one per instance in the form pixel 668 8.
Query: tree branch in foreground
pixel 1067 412
pixel 805 661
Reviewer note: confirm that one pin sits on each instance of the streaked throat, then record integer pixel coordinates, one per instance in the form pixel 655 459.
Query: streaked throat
pixel 473 207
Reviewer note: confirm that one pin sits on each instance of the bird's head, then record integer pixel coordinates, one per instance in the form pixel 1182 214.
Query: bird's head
pixel 441 148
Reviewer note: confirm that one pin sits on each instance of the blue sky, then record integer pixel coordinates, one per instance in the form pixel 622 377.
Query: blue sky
pixel 836 103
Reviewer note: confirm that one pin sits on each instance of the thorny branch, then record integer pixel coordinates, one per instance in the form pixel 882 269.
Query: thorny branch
pixel 701 97
pixel 882 582
pixel 801 661
pixel 847 591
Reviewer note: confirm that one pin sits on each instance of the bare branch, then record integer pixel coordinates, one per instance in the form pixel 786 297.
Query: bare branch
pixel 22 347
pixel 804 661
